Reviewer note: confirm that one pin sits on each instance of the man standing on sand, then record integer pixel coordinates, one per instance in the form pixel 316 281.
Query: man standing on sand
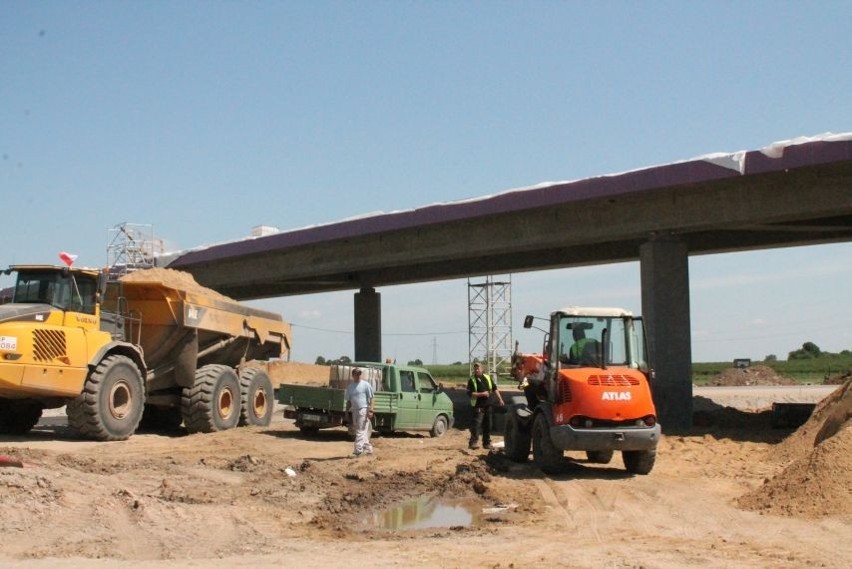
pixel 480 387
pixel 359 400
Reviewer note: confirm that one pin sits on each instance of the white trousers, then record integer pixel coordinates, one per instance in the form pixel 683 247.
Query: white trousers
pixel 363 429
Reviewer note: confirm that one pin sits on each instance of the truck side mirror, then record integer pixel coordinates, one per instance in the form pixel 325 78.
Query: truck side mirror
pixel 103 278
pixel 528 321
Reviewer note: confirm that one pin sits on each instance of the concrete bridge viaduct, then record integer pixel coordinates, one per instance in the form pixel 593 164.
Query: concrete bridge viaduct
pixel 796 193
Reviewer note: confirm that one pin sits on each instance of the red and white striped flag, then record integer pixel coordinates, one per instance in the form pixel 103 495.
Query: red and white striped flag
pixel 67 258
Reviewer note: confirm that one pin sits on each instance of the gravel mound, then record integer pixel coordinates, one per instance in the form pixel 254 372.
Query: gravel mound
pixel 817 480
pixel 753 375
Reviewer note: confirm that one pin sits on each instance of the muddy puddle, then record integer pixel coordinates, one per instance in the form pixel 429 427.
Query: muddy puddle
pixel 425 513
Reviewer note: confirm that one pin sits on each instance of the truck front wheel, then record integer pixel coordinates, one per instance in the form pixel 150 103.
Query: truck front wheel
pixel 256 403
pixel 516 438
pixel 545 454
pixel 213 402
pixel 439 428
pixel 639 461
pixel 111 404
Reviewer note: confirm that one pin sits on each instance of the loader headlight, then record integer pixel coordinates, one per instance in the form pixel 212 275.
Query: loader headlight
pixel 11 356
pixel 578 421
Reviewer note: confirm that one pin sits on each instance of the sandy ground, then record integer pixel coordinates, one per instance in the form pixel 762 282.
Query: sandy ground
pixel 268 497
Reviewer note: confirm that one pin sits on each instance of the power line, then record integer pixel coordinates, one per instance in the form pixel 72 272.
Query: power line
pixel 294 325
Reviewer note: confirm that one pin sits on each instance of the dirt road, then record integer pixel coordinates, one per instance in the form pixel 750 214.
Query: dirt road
pixel 268 497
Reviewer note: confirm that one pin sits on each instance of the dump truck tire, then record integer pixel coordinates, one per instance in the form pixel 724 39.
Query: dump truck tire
pixel 161 419
pixel 545 454
pixel 213 402
pixel 516 438
pixel 111 404
pixel 639 461
pixel 440 426
pixel 257 401
pixel 18 419
pixel 599 456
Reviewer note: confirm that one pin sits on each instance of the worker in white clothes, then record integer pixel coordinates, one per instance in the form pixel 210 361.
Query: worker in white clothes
pixel 359 401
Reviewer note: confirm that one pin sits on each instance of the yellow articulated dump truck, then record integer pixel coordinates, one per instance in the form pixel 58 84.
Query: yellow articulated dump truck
pixel 151 348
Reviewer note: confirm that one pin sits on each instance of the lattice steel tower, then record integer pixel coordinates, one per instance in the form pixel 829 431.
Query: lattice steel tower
pixel 490 323
pixel 132 246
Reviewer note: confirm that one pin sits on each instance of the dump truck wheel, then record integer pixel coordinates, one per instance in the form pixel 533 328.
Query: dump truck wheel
pixel 599 456
pixel 111 404
pixel 257 399
pixel 439 428
pixel 516 438
pixel 545 454
pixel 20 418
pixel 639 461
pixel 162 419
pixel 213 402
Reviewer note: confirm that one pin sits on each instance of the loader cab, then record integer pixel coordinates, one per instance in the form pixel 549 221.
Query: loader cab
pixel 599 338
pixel 70 290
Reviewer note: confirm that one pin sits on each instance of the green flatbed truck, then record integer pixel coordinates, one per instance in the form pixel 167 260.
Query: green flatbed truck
pixel 407 399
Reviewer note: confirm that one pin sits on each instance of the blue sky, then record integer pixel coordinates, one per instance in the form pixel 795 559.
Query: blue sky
pixel 206 119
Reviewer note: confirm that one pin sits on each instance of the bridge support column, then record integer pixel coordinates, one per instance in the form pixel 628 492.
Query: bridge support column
pixel 368 325
pixel 664 268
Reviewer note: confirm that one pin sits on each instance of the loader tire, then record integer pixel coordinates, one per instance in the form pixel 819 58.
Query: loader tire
pixel 545 454
pixel 639 461
pixel 257 401
pixel 18 419
pixel 213 402
pixel 599 456
pixel 161 419
pixel 111 404
pixel 516 438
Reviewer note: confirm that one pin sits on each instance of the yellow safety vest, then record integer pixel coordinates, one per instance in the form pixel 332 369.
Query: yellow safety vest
pixel 490 387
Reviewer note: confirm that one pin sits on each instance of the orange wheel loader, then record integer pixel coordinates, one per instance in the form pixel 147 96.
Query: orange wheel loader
pixel 588 390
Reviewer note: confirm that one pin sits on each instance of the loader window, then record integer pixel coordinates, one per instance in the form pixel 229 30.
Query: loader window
pixel 581 341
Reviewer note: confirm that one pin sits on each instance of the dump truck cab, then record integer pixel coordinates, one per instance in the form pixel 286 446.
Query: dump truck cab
pixel 588 390
pixel 50 331
pixel 63 288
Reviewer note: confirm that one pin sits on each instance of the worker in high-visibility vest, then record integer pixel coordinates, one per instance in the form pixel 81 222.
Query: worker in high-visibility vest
pixel 484 393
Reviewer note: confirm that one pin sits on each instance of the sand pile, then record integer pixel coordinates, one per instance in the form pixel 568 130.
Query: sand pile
pixel 173 279
pixel 754 375
pixel 818 479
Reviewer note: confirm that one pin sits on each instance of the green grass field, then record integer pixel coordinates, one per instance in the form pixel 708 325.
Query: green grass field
pixel 813 370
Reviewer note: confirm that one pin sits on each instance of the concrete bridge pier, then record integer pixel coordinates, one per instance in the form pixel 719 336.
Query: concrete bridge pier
pixel 368 325
pixel 664 269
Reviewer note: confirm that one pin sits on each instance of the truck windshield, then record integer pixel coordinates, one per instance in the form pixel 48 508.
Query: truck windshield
pixel 54 288
pixel 582 338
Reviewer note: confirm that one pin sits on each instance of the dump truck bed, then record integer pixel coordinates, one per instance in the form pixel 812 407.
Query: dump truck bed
pixel 172 311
